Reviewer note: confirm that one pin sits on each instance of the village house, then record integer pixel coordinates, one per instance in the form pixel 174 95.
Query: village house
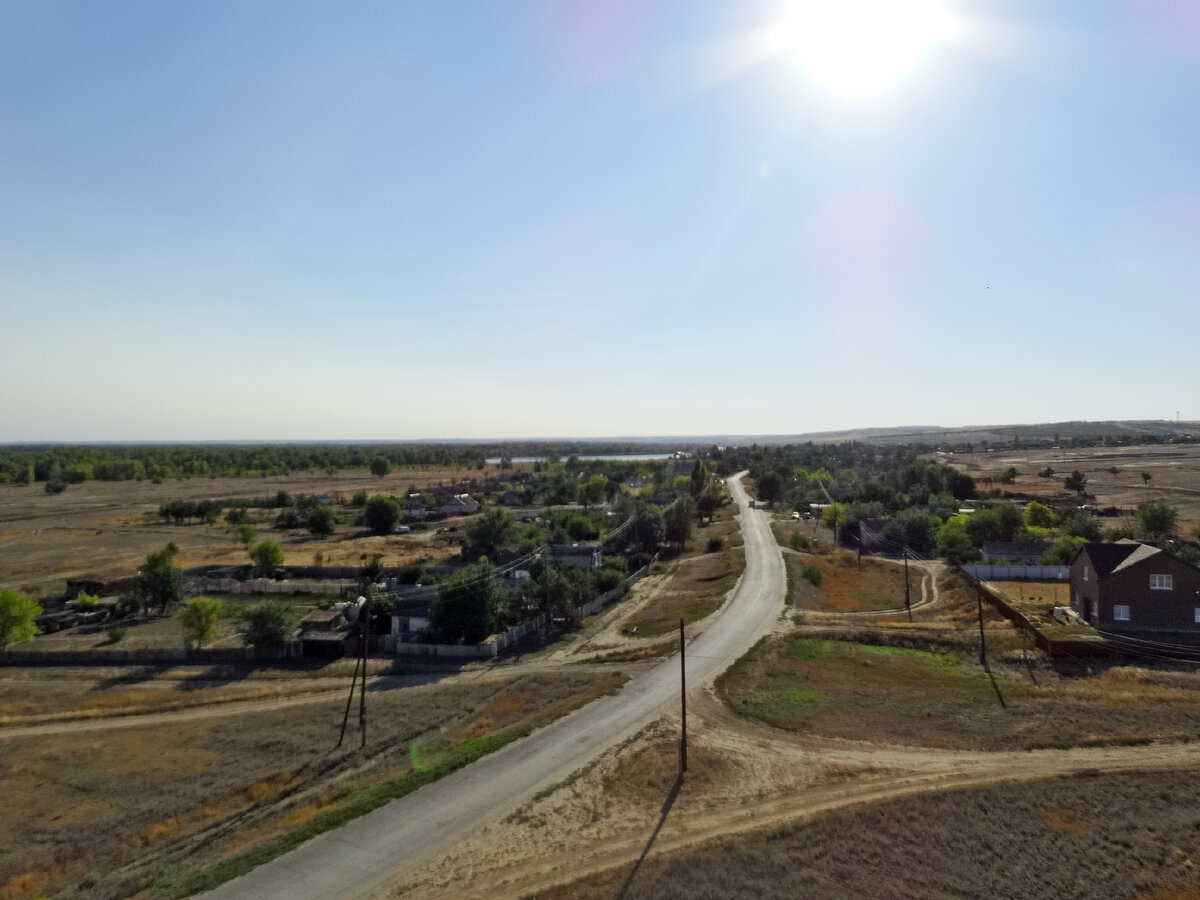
pixel 1134 586
pixel 460 505
pixel 414 507
pixel 585 556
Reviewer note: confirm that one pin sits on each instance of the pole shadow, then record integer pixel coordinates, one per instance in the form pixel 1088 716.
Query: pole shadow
pixel 666 811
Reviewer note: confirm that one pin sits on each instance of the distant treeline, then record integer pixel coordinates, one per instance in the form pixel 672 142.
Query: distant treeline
pixel 69 464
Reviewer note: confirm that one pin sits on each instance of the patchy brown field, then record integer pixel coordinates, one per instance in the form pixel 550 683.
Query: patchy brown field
pixel 107 811
pixel 944 699
pixel 845 587
pixel 1174 471
pixel 105 529
pixel 1114 836
pixel 696 590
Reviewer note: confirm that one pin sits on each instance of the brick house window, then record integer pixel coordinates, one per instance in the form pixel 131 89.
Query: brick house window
pixel 1162 583
pixel 1196 615
pixel 1085 574
pixel 1120 613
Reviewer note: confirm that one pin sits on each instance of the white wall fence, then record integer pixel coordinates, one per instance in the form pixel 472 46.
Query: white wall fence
pixel 270 586
pixel 1020 573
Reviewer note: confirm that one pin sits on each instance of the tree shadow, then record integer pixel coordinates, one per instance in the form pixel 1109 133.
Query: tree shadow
pixel 666 811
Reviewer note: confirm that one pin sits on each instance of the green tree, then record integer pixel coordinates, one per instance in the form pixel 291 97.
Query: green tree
pixel 679 519
pixel 267 556
pixel 198 619
pixel 18 615
pixel 1062 550
pixel 593 491
pixel 954 543
pixel 1081 525
pixel 160 581
pixel 699 478
pixel 1146 476
pixel 1158 519
pixel 268 624
pixel 381 514
pixel 466 605
pixel 489 534
pixel 1076 482
pixel 86 602
pixel 770 487
pixel 1039 516
pixel 321 520
pixel 380 466
pixel 247 533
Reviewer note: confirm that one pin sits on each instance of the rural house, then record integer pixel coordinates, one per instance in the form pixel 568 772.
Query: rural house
pixel 414 507
pixel 1016 552
pixel 585 556
pixel 460 505
pixel 1133 586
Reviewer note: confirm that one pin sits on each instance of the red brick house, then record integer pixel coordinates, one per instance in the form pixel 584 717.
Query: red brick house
pixel 1128 586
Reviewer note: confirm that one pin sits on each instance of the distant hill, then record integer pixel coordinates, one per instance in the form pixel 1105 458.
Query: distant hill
pixel 973 434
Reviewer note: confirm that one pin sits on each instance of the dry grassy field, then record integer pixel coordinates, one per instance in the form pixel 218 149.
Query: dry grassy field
pixel 111 807
pixel 699 580
pixel 1174 471
pixel 105 529
pixel 1123 837
pixel 943 698
pixel 846 586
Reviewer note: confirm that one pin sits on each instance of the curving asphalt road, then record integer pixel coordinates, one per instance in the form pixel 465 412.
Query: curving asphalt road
pixel 356 859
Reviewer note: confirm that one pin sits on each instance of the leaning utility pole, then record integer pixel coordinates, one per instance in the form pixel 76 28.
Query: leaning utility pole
pixel 364 634
pixel 682 702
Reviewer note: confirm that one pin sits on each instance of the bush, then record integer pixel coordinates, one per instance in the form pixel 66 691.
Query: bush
pixel 268 624
pixel 85 602
pixel 115 635
pixel 813 574
pixel 799 541
pixel 714 544
pixel 359 499
pixel 57 486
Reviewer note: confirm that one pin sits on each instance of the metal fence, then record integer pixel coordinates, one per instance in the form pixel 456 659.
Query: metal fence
pixel 1020 573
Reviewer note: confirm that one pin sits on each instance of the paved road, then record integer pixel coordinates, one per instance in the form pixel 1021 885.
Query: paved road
pixel 359 857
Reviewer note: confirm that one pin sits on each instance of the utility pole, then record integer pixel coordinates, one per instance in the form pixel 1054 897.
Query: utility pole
pixel 907 596
pixel 682 702
pixel 363 635
pixel 860 545
pixel 349 699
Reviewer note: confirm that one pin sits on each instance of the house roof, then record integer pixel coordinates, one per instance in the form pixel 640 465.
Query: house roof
pixel 574 549
pixel 1109 558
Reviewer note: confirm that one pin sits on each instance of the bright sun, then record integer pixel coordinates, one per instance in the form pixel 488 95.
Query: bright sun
pixel 861 47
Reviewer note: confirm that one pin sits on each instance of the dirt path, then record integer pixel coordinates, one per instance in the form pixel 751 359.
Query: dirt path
pixel 743 777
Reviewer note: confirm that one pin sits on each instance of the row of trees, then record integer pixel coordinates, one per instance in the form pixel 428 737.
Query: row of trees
pixel 26 464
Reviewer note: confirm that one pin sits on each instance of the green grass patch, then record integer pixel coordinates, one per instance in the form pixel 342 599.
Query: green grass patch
pixel 773 706
pixel 805 649
pixel 185 882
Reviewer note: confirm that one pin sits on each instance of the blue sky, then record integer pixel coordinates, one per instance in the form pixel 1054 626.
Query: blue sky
pixel 561 218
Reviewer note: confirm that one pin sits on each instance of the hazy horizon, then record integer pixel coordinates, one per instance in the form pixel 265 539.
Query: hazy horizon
pixel 225 221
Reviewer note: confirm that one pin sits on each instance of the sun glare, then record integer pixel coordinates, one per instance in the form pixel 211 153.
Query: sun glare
pixel 861 47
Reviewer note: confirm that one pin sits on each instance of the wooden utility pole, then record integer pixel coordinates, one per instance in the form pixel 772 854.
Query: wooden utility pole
pixel 682 702
pixel 364 634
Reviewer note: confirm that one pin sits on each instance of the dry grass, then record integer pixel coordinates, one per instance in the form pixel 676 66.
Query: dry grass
pixel 98 801
pixel 912 696
pixel 105 529
pixel 846 587
pixel 1122 836
pixel 697 589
